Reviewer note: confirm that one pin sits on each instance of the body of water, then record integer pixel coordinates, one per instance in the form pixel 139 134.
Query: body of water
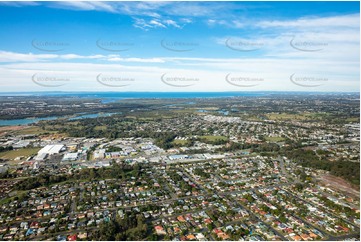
pixel 224 112
pixel 23 121
pixel 26 121
pixel 113 96
pixel 93 115
pixel 134 95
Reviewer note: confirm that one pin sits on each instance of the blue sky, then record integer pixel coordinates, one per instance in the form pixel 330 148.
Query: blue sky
pixel 179 46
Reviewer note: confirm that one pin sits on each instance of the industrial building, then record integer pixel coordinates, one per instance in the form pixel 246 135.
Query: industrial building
pixel 52 149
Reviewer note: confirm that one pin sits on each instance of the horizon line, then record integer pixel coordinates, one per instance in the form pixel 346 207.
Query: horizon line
pixel 174 91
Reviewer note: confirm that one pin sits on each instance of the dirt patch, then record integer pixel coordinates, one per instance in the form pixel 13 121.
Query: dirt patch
pixel 340 184
pixel 5 129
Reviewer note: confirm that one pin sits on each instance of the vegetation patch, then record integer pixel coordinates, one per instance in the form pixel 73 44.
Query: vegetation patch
pixel 275 139
pixel 12 154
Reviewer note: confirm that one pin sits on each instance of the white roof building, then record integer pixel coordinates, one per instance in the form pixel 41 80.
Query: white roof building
pixel 40 156
pixel 71 156
pixel 21 144
pixel 99 154
pixel 51 149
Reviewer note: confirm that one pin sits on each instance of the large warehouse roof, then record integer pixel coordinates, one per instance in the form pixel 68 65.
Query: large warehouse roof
pixel 51 149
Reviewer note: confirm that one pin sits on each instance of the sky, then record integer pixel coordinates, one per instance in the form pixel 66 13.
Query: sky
pixel 179 46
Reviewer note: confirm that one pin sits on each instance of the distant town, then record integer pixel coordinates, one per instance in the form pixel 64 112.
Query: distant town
pixel 262 167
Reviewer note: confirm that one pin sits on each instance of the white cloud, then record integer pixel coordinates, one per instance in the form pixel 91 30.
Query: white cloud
pixel 186 20
pixel 140 60
pixel 211 72
pixel 134 9
pixel 344 21
pixel 214 22
pixel 314 23
pixel 19 4
pixel 141 23
pixel 238 24
pixel 335 39
pixel 211 21
pixel 85 6
pixel 74 56
pixel 156 23
pixel 226 23
pixel 6 56
pixel 141 8
pixel 172 23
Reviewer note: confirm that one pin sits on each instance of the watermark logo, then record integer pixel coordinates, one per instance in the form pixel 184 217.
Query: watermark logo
pixel 243 81
pixel 307 80
pixel 307 45
pixel 178 80
pixel 49 46
pixel 114 46
pixel 114 81
pixel 243 45
pixel 178 46
pixel 46 80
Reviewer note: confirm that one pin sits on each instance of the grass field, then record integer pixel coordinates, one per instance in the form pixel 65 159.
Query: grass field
pixel 145 118
pixel 103 127
pixel 21 130
pixel 286 116
pixel 355 119
pixel 32 130
pixel 5 200
pixel 213 138
pixel 299 116
pixel 12 154
pixel 179 142
pixel 57 126
pixel 275 139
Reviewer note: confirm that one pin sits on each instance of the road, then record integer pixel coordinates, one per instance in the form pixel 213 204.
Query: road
pixel 284 171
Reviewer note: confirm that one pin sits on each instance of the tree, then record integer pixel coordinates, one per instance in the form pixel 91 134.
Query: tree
pixel 283 219
pixel 299 186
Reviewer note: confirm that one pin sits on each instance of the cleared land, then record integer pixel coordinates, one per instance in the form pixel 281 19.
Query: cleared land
pixel 32 130
pixel 12 154
pixel 6 129
pixel 340 184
